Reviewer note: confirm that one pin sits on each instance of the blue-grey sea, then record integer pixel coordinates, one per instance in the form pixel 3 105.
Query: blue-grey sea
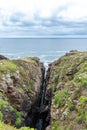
pixel 47 49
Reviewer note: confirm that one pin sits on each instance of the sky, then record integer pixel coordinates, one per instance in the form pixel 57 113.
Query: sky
pixel 50 18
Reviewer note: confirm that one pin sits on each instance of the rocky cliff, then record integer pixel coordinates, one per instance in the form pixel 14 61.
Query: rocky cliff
pixel 68 86
pixel 28 98
pixel 20 82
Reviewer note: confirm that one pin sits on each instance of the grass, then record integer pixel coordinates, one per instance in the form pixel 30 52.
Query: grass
pixel 30 87
pixel 55 125
pixel 68 81
pixel 20 89
pixel 82 110
pixel 18 122
pixel 3 103
pixel 30 60
pixel 60 97
pixel 8 127
pixel 70 105
pixel 1 116
pixel 11 108
pixel 83 100
pixel 81 77
pixel 7 65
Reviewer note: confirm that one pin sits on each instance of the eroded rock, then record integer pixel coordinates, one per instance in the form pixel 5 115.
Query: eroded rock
pixel 68 84
pixel 20 82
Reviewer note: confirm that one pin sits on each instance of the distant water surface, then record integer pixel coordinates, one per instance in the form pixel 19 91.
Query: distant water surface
pixel 47 49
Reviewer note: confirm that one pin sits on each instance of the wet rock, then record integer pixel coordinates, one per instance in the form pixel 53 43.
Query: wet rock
pixel 3 57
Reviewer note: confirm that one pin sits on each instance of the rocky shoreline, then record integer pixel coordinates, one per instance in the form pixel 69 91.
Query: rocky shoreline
pixel 22 84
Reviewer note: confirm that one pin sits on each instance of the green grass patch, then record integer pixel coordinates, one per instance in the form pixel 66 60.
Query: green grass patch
pixel 30 60
pixel 18 122
pixel 18 119
pixel 60 97
pixel 8 127
pixel 52 87
pixel 84 81
pixel 20 89
pixel 30 87
pixel 3 103
pixel 11 108
pixel 7 65
pixel 1 116
pixel 70 106
pixel 83 100
pixel 82 113
pixel 55 125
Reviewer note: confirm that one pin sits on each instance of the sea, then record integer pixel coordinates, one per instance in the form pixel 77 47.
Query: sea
pixel 47 49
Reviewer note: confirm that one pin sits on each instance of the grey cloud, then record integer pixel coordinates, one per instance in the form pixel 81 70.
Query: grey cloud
pixel 54 25
pixel 16 17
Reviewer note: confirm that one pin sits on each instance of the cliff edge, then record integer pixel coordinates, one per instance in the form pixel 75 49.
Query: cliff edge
pixel 20 82
pixel 68 85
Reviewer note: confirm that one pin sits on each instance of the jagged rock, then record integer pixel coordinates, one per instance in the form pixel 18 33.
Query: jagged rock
pixel 68 84
pixel 20 82
pixel 3 57
pixel 66 94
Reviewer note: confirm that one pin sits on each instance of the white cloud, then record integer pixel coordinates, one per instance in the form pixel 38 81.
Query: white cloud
pixel 29 7
pixel 21 15
pixel 76 11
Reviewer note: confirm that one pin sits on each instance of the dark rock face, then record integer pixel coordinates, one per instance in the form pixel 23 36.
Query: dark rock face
pixel 3 57
pixel 39 115
pixel 20 82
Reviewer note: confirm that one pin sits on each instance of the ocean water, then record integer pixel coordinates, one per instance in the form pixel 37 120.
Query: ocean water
pixel 47 49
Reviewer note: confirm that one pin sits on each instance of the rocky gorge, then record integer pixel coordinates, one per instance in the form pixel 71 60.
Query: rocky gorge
pixel 55 99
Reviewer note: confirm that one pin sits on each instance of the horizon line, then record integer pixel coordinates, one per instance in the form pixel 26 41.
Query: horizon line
pixel 68 36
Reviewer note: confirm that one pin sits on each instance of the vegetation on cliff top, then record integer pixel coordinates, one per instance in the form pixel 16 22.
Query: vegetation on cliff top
pixel 68 82
pixel 19 81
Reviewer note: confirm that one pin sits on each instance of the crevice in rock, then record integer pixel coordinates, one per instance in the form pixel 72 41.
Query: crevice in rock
pixel 39 115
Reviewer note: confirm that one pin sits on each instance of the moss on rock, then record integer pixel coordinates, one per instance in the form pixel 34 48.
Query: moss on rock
pixel 20 82
pixel 8 127
pixel 68 83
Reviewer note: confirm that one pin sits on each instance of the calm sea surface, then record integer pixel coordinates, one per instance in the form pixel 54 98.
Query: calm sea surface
pixel 47 49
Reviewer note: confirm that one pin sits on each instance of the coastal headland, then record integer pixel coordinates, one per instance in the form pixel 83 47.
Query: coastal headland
pixel 34 97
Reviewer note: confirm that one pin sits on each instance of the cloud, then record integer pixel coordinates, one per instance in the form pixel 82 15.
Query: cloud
pixel 38 17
